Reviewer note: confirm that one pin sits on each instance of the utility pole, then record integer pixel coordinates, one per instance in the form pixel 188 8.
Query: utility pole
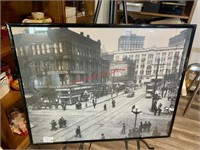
pixel 154 89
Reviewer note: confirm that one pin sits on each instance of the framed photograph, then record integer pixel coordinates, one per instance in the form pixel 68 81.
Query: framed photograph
pixel 84 83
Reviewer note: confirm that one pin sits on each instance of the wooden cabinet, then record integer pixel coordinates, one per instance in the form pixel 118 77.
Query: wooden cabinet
pixel 186 16
pixel 9 140
pixel 16 11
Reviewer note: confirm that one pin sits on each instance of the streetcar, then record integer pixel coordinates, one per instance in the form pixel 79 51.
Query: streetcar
pixel 149 90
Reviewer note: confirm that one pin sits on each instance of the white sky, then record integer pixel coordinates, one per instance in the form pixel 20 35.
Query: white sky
pixel 109 36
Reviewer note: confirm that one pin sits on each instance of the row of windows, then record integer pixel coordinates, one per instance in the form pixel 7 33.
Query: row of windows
pixel 64 65
pixel 39 49
pixel 151 56
pixel 85 51
pixel 42 49
pixel 149 72
pixel 131 46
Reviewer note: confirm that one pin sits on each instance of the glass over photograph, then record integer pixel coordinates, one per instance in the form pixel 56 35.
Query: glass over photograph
pixel 100 83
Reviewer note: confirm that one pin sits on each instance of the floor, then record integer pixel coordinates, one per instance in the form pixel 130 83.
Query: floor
pixel 185 134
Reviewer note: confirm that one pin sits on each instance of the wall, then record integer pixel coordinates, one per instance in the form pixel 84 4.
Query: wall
pixel 195 54
pixel 104 12
pixel 196 20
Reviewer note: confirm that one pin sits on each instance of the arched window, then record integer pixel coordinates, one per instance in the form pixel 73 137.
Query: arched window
pixel 149 67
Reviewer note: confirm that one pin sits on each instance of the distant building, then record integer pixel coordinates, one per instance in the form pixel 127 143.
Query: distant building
pixel 171 58
pixel 178 40
pixel 107 56
pixel 130 42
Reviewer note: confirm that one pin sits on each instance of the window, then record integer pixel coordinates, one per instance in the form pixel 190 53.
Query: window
pixel 60 47
pixel 148 72
pixel 47 47
pixel 43 49
pixel 55 48
pixel 150 56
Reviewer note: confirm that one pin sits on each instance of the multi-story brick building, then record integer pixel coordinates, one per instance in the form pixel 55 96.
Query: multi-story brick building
pixel 147 59
pixel 59 63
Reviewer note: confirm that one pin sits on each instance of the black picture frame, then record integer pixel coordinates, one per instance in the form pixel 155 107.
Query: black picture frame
pixel 107 85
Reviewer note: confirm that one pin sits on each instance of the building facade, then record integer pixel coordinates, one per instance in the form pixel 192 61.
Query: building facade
pixel 146 61
pixel 130 42
pixel 60 63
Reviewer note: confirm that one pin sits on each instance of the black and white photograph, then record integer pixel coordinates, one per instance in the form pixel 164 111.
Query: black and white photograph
pixel 95 83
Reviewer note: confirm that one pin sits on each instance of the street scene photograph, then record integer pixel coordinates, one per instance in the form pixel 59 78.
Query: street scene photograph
pixel 91 84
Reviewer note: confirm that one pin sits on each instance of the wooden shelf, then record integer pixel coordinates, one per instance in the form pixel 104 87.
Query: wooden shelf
pixel 186 16
pixel 156 14
pixel 5 47
pixel 11 98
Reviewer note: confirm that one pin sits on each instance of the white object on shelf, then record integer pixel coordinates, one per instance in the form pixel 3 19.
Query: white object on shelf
pixel 37 15
pixel 47 20
pixel 137 7
pixel 70 11
pixel 71 19
pixel 4 85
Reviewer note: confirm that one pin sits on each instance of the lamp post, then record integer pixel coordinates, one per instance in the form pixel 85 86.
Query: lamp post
pixel 136 111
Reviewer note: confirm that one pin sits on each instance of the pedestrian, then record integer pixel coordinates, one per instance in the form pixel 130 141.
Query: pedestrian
pixel 155 110
pixel 56 104
pixel 63 104
pixel 145 126
pixel 78 132
pixel 62 122
pixel 159 109
pixel 148 126
pixel 141 126
pixel 154 105
pixel 105 107
pixel 113 103
pixel 155 132
pixel 103 136
pixel 123 129
pixel 94 105
pixel 53 125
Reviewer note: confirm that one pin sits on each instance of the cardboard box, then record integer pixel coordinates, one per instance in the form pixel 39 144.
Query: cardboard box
pixel 71 19
pixel 70 11
pixel 4 85
pixel 137 7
